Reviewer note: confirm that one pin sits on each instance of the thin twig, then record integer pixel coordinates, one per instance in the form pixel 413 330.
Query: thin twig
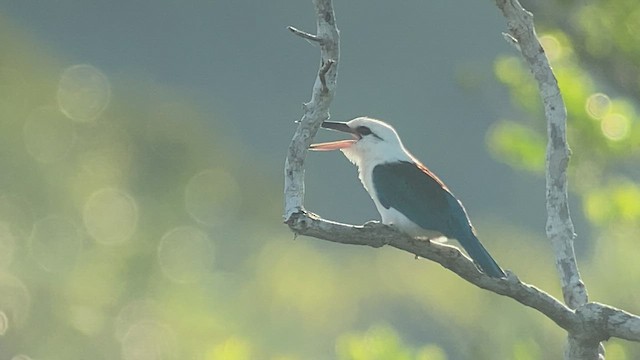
pixel 305 35
pixel 511 40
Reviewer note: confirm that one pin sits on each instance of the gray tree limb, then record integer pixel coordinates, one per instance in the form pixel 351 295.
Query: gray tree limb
pixel 559 225
pixel 560 230
pixel 316 110
pixel 586 323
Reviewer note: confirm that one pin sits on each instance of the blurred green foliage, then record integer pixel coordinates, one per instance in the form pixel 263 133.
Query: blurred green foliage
pixel 131 227
pixel 381 342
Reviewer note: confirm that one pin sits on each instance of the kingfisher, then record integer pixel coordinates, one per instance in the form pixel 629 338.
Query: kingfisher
pixel 406 193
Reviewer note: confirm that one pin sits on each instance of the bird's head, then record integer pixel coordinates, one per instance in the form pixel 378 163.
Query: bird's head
pixel 373 141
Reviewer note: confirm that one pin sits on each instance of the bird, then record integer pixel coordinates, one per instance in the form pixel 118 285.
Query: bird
pixel 408 195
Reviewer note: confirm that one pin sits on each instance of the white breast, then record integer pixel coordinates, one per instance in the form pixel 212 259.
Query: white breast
pixel 391 216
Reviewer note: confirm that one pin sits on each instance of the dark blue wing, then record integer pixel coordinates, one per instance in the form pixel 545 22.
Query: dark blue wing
pixel 417 193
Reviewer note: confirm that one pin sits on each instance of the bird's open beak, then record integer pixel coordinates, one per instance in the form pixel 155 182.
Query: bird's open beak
pixel 336 145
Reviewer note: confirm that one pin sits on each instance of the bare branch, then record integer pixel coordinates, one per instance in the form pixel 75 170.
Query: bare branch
pixel 511 40
pixel 589 323
pixel 376 235
pixel 559 225
pixel 303 34
pixel 613 322
pixel 560 230
pixel 316 110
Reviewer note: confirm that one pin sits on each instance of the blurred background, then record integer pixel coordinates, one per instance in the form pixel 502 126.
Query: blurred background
pixel 141 153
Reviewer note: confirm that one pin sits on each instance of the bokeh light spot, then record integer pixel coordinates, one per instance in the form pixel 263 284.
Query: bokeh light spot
pixel 509 70
pixel 48 135
pixel 7 245
pixel 104 159
pixel 148 340
pixel 15 300
pixel 615 126
pixel 212 197
pixel 110 216
pixel 4 323
pixel 83 93
pixel 598 105
pixel 552 47
pixel 21 357
pixel 185 254
pixel 55 244
pixel 133 313
pixel 632 23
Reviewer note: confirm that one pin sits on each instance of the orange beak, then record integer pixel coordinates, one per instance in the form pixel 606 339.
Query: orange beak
pixel 333 145
pixel 336 145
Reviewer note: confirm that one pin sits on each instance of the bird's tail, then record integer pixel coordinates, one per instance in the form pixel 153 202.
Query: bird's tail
pixel 480 256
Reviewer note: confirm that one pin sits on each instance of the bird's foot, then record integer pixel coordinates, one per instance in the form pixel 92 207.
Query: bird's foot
pixel 424 238
pixel 511 276
pixel 439 239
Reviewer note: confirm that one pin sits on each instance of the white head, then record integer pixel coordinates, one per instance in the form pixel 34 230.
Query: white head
pixel 373 142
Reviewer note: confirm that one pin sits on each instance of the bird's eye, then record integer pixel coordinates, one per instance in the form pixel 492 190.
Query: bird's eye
pixel 363 130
